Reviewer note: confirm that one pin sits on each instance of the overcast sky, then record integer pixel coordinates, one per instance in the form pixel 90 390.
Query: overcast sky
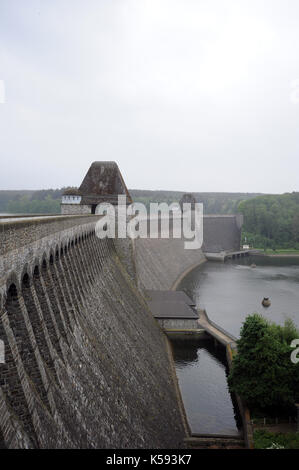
pixel 191 95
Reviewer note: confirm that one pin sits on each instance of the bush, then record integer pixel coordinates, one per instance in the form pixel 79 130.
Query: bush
pixel 268 440
pixel 262 372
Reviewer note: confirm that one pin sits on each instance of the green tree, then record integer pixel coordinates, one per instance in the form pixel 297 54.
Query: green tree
pixel 275 218
pixel 295 226
pixel 262 372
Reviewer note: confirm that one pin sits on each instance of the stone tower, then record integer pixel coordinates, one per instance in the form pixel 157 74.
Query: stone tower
pixel 103 183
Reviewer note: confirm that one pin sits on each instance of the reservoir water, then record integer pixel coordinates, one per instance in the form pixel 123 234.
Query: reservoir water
pixel 232 290
pixel 229 292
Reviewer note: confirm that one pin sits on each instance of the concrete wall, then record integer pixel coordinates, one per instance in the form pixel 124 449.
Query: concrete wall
pixel 222 233
pixel 86 363
pixel 178 324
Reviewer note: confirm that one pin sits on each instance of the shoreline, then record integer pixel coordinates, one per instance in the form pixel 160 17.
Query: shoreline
pixel 284 255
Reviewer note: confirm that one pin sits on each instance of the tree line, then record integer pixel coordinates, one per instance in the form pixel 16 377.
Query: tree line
pixel 31 202
pixel 213 203
pixel 271 221
pixel 48 200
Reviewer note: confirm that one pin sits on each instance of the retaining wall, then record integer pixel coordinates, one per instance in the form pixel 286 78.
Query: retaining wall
pixel 222 233
pixel 178 324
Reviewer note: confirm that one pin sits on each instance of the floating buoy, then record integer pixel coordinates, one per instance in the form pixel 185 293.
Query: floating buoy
pixel 266 302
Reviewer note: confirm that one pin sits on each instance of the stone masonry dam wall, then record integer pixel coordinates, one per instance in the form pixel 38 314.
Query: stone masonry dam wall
pixel 222 233
pixel 86 365
pixel 160 262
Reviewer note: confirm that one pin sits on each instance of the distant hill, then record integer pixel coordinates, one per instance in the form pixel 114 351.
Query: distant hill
pixel 48 200
pixel 272 221
pixel 214 203
pixel 32 202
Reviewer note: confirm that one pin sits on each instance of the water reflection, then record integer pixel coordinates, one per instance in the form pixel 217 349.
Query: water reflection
pixel 202 374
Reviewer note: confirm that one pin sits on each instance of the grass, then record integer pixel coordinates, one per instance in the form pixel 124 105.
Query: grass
pixel 264 440
pixel 289 251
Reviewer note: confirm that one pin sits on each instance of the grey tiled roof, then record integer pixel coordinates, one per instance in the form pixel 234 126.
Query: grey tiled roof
pixel 169 296
pixel 103 181
pixel 171 304
pixel 172 310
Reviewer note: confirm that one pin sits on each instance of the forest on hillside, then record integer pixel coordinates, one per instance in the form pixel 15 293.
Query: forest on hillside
pixel 31 202
pixel 272 221
pixel 214 203
pixel 48 201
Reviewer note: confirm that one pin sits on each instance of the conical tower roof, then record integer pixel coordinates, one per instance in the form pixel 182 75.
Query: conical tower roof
pixel 103 182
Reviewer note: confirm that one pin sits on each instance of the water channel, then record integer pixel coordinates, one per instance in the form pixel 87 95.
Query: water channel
pixel 229 292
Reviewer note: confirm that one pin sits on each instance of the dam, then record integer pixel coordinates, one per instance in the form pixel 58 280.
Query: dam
pixel 86 363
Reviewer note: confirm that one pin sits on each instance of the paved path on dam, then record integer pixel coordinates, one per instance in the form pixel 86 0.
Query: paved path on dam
pixel 16 218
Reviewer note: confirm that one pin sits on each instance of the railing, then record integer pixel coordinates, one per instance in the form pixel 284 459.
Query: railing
pixel 267 421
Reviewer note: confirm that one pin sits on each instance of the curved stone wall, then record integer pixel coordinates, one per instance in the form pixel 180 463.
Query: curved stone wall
pixel 160 262
pixel 86 363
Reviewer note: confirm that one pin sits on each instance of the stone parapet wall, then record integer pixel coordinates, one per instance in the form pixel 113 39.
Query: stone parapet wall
pixel 75 209
pixel 17 233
